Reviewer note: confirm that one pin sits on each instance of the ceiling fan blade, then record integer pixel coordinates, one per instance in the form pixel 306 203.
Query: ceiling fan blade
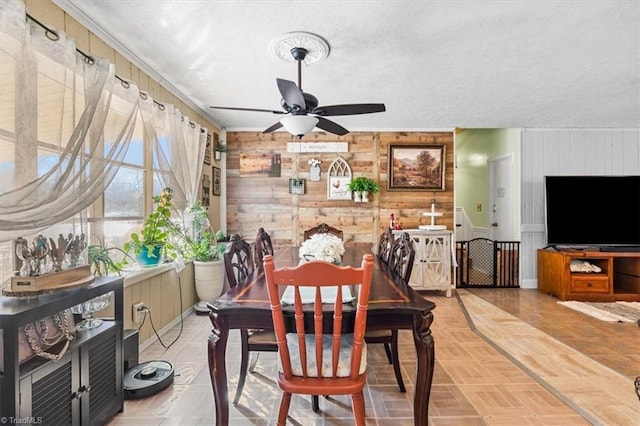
pixel 273 127
pixel 331 127
pixel 291 94
pixel 348 109
pixel 248 109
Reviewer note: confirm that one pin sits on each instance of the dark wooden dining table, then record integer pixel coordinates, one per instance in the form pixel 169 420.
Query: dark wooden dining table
pixel 392 305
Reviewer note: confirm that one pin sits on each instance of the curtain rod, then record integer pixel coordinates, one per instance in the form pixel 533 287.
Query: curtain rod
pixel 53 36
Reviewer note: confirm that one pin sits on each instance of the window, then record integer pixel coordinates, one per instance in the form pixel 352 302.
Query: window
pixel 66 148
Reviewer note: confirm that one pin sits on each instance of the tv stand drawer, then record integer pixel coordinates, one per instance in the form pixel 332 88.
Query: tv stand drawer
pixel 589 284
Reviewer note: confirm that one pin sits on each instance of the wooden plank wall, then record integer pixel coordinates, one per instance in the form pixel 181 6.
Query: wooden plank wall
pixel 254 202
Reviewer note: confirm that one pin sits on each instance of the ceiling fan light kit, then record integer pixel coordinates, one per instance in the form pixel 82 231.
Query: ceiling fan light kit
pixel 301 108
pixel 299 125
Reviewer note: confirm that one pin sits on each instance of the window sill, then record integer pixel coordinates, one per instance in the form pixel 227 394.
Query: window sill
pixel 134 276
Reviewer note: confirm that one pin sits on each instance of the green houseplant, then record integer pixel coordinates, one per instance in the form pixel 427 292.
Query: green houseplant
pixel 152 241
pixel 361 187
pixel 222 237
pixel 102 259
pixel 197 242
pixel 218 149
pixel 371 186
pixel 204 249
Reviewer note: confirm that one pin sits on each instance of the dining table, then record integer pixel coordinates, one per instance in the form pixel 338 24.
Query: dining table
pixel 392 305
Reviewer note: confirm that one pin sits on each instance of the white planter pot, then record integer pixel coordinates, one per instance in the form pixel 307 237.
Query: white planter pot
pixel 365 197
pixel 357 197
pixel 209 278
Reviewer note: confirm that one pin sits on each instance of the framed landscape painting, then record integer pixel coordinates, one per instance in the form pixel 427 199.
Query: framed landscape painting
pixel 416 167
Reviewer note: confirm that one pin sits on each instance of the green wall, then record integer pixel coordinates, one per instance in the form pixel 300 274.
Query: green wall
pixel 473 149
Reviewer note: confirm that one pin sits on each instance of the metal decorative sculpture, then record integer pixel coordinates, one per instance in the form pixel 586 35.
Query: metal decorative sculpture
pixel 44 256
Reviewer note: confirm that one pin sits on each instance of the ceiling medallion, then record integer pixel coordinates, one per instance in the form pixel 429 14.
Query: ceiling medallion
pixel 317 48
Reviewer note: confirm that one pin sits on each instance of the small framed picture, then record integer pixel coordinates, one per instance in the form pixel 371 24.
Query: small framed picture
pixel 416 167
pixel 338 188
pixel 296 186
pixel 206 182
pixel 216 180
pixel 207 149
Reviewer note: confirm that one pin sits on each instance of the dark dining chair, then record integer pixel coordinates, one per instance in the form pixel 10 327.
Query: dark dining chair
pixel 385 242
pixel 389 338
pixel 238 260
pixel 312 362
pixel 323 228
pixel 263 246
pixel 239 266
pixel 403 253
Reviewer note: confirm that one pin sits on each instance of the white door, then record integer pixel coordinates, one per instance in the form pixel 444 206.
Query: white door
pixel 501 198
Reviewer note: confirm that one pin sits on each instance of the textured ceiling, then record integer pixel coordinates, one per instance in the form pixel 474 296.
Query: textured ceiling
pixel 434 64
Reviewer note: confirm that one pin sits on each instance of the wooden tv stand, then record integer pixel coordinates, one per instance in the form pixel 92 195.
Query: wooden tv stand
pixel 619 279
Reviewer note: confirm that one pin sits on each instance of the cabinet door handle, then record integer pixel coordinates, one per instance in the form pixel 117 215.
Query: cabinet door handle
pixel 83 389
pixel 589 285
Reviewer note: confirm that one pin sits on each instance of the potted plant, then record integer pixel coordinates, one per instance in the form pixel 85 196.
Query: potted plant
pixel 152 241
pixel 370 187
pixel 102 261
pixel 219 148
pixel 356 186
pixel 197 242
pixel 361 187
pixel 222 237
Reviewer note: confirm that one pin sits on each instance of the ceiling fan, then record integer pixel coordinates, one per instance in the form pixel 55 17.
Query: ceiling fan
pixel 302 110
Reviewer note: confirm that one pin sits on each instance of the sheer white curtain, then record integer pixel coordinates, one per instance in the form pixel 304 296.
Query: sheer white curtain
pixel 65 124
pixel 178 153
pixel 178 150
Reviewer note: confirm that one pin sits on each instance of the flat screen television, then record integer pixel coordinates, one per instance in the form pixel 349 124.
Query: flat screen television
pixel 593 211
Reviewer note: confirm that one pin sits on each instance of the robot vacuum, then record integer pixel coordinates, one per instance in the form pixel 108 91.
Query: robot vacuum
pixel 147 379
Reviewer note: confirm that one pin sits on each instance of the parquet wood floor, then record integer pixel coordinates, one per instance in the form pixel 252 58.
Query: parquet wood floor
pixel 503 357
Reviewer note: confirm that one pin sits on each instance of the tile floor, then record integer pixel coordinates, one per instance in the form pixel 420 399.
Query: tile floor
pixel 503 357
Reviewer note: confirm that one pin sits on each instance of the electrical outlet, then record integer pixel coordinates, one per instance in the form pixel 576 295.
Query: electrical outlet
pixel 137 312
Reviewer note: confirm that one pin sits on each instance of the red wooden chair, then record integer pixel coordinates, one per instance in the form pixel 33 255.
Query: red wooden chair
pixel 311 361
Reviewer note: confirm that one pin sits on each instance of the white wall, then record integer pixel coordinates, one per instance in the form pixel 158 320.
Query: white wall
pixel 565 152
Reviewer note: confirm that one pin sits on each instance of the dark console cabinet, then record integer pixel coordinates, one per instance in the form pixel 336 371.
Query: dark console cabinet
pixel 85 386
